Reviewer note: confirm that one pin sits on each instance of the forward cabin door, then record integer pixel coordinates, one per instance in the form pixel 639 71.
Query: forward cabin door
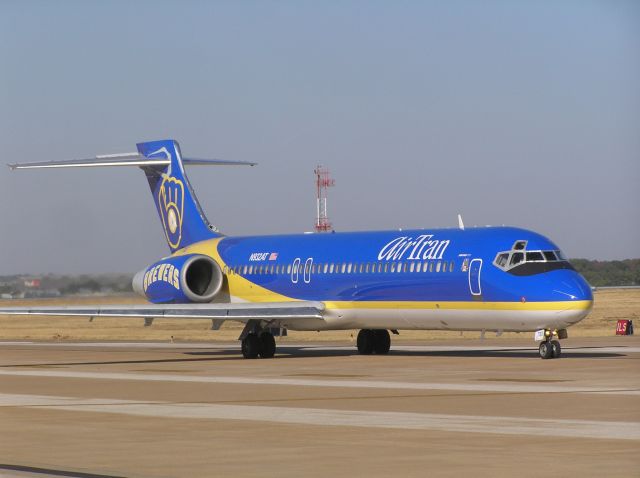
pixel 475 268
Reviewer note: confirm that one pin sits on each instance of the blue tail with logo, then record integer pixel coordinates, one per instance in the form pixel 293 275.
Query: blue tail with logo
pixel 181 216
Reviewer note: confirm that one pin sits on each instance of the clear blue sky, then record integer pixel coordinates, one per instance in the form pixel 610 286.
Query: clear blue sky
pixel 524 113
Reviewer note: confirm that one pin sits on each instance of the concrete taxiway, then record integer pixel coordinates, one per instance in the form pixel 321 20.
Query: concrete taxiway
pixel 200 410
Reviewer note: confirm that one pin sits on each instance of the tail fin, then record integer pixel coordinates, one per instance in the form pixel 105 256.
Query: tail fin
pixel 180 213
pixel 182 218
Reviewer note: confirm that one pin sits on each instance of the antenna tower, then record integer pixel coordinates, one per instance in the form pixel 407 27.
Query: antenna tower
pixel 323 181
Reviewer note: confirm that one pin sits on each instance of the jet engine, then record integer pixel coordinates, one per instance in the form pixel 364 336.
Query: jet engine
pixel 180 279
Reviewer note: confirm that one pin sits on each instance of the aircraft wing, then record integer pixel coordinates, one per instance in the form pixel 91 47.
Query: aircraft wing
pixel 242 312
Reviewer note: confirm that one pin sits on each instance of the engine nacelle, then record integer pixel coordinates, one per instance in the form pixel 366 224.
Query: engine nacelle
pixel 180 279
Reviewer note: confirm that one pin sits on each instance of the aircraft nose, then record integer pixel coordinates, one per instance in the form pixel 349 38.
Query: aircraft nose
pixel 572 286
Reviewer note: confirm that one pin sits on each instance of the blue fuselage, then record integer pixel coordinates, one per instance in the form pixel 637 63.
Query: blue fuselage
pixel 412 265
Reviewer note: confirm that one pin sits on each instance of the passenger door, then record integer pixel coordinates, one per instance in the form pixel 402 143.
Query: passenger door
pixel 474 277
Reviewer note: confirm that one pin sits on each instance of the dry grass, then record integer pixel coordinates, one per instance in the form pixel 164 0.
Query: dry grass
pixel 610 305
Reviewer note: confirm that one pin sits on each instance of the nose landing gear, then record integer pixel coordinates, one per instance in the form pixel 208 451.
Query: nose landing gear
pixel 550 347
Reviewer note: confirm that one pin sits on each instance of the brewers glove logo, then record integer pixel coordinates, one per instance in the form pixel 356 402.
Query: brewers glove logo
pixel 171 201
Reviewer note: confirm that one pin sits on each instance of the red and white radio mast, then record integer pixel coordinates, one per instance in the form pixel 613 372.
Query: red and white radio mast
pixel 323 181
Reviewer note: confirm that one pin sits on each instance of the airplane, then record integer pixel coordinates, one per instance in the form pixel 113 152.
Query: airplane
pixel 500 279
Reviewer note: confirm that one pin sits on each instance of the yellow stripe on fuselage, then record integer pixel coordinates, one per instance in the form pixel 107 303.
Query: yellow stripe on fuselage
pixel 460 305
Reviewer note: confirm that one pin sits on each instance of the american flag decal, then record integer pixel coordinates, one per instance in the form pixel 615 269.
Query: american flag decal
pixel 273 256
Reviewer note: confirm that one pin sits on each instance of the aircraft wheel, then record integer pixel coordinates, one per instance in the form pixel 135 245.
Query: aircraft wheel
pixel 545 350
pixel 381 341
pixel 251 346
pixel 556 349
pixel 365 341
pixel 268 344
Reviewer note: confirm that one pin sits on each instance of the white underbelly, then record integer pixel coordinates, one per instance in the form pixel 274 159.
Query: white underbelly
pixel 444 319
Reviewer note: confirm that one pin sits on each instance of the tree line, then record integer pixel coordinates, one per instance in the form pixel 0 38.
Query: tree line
pixel 609 273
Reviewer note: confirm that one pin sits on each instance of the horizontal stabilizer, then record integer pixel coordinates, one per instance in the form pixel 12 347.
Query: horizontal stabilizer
pixel 125 159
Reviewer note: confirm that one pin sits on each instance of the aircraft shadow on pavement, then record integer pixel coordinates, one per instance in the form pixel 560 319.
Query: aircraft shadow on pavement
pixel 292 352
pixel 302 352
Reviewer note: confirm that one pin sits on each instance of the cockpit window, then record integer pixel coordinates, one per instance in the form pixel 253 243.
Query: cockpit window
pixel 502 259
pixel 516 258
pixel 519 261
pixel 535 256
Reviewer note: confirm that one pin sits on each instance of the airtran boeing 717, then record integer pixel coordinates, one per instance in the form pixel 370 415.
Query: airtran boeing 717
pixel 475 279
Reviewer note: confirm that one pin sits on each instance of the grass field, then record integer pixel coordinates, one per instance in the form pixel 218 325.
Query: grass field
pixel 610 305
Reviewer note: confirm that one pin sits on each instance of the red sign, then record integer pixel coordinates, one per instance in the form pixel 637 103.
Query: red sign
pixel 623 327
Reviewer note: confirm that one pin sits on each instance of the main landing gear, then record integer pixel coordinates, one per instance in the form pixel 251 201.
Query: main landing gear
pixel 257 341
pixel 373 341
pixel 263 345
pixel 550 346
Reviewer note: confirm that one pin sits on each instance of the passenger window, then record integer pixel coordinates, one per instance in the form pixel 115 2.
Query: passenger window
pixel 430 266
pixel 438 265
pixel 349 269
pixel 393 267
pixel 288 268
pixel 412 266
pixel 451 266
